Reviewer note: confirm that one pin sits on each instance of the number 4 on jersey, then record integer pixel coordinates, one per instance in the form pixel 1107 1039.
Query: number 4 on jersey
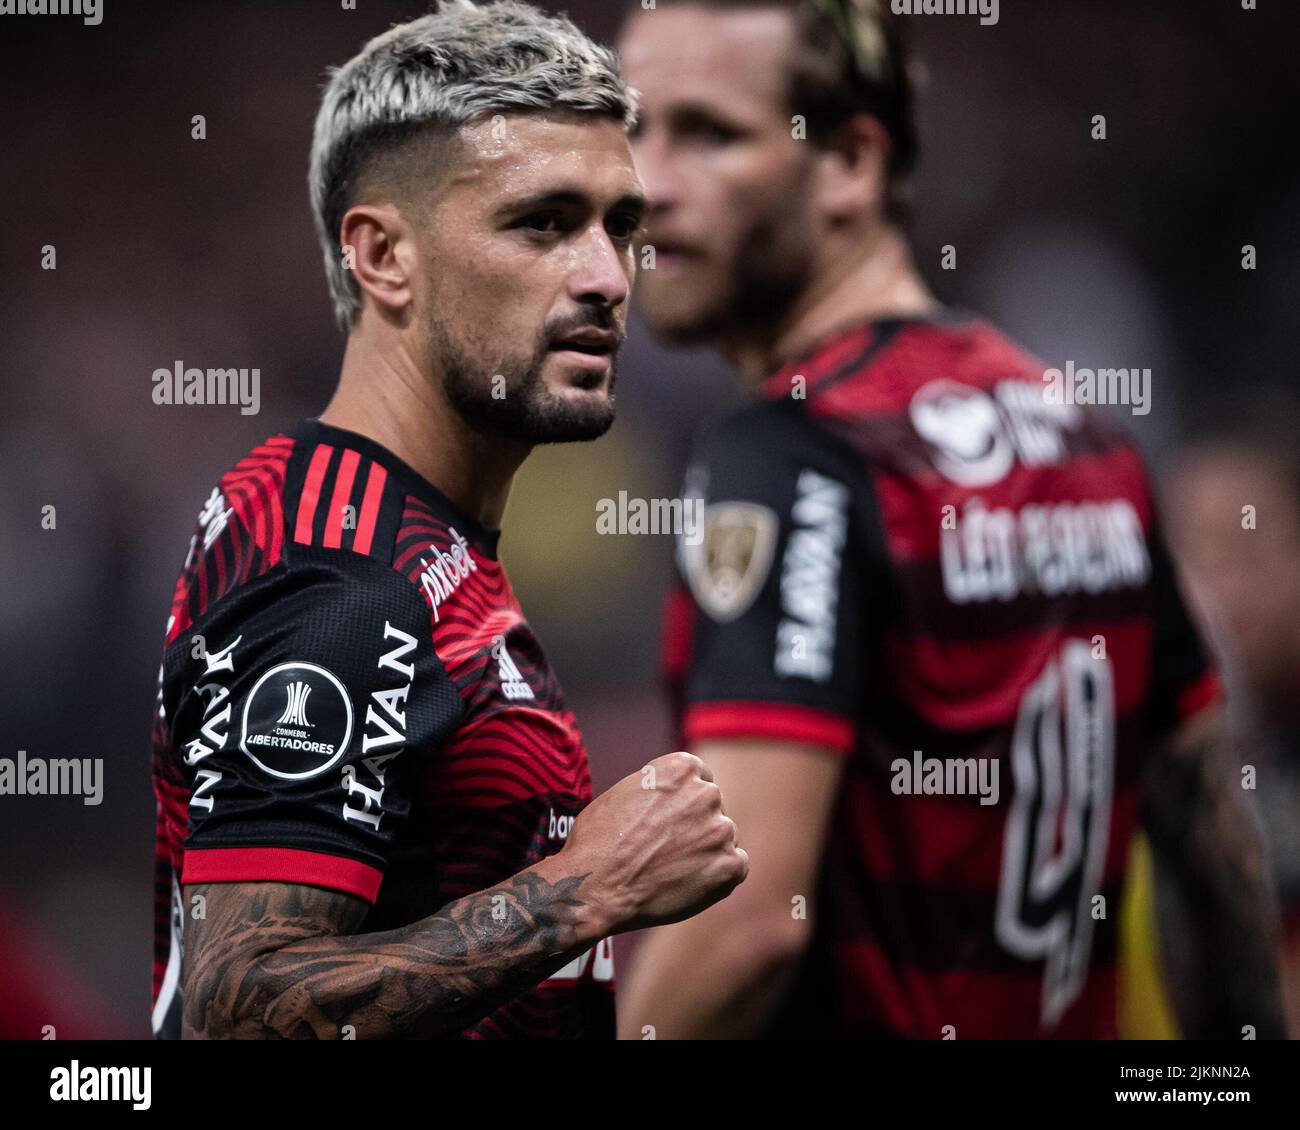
pixel 1054 845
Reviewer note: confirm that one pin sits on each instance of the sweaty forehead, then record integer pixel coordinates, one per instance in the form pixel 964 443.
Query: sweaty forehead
pixel 689 53
pixel 510 153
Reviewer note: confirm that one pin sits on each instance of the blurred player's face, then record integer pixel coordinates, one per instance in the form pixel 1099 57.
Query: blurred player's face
pixel 730 220
pixel 529 263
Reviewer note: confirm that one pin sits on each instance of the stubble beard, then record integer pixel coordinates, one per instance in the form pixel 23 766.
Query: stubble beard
pixel 768 271
pixel 510 398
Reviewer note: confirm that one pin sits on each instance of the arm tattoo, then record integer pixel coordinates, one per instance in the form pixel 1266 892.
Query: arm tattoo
pixel 1218 921
pixel 281 961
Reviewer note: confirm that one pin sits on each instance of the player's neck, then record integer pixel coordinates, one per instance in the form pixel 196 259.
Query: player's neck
pixel 873 278
pixel 382 394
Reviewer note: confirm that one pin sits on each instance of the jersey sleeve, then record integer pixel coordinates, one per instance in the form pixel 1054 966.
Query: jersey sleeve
pixel 765 633
pixel 1184 679
pixel 297 708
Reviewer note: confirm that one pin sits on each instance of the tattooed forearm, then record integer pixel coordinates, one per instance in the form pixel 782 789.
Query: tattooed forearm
pixel 280 961
pixel 1217 912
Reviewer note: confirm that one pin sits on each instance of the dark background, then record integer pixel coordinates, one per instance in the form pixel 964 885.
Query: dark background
pixel 1122 252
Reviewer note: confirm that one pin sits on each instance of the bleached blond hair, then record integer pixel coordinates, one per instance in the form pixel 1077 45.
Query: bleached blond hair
pixel 460 63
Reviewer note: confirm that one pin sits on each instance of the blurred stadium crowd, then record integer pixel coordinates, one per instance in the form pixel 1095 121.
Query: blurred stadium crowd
pixel 1115 253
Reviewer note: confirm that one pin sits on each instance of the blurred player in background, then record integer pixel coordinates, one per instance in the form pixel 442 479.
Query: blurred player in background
pixel 932 645
pixel 373 802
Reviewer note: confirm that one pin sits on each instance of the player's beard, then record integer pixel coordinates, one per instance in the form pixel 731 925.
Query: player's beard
pixel 770 268
pixel 519 405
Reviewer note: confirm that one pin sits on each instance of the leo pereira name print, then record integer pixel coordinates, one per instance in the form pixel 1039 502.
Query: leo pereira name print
pixel 351 698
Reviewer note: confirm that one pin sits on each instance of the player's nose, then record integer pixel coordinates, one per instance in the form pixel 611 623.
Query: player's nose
pixel 600 271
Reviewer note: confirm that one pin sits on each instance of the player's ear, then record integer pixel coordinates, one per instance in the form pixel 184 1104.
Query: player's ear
pixel 381 254
pixel 852 170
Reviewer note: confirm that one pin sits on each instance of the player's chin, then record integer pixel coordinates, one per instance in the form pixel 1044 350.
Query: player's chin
pixel 570 415
pixel 573 375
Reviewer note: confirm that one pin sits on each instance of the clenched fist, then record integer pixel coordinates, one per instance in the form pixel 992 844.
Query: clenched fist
pixel 658 845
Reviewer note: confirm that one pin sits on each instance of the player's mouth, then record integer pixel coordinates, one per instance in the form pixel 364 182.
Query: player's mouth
pixel 675 254
pixel 589 349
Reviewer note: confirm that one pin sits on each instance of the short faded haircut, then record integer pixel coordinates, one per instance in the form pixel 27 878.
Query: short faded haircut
pixel 423 79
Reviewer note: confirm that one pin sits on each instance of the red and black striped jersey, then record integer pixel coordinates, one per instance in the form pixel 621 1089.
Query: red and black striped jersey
pixel 915 556
pixel 351 698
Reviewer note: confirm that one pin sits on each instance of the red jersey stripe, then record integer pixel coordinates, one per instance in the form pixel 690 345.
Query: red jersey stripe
pixel 311 493
pixel 281 865
pixel 365 534
pixel 342 492
pixel 785 721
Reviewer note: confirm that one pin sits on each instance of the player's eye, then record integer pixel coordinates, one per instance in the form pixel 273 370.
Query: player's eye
pixel 542 223
pixel 623 227
pixel 706 131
